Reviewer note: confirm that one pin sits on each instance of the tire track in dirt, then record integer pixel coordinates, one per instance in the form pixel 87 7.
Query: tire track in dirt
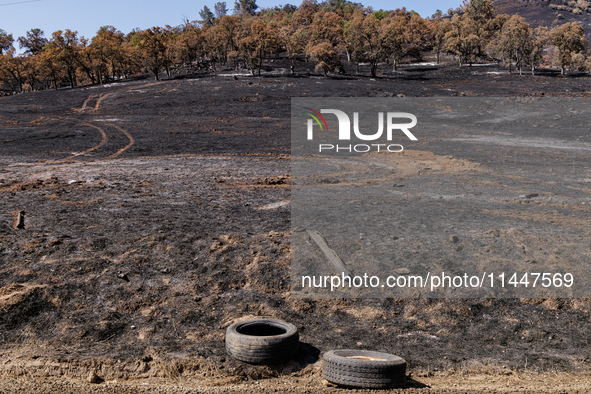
pixel 39 121
pixel 85 103
pixel 169 89
pixel 103 96
pixel 87 106
pixel 126 147
pixel 103 141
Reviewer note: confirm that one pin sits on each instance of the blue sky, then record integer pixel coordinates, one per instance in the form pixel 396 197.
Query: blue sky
pixel 87 16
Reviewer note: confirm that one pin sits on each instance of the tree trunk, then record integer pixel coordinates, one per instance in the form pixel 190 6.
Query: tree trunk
pixel 520 73
pixel 533 70
pixel 90 75
pixel 562 70
pixel 71 78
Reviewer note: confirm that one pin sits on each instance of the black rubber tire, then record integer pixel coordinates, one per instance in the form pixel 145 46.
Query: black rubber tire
pixel 262 341
pixel 342 368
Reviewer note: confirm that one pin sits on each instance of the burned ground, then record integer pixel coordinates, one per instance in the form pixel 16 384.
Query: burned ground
pixel 157 213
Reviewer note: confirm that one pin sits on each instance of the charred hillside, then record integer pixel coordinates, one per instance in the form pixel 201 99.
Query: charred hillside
pixel 548 13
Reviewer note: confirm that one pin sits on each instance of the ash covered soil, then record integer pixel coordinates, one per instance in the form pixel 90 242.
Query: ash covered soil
pixel 157 214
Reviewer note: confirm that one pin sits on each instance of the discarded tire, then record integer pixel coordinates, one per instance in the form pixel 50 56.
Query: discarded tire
pixel 364 369
pixel 262 341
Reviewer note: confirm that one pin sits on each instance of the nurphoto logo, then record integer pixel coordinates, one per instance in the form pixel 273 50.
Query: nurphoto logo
pixel 344 130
